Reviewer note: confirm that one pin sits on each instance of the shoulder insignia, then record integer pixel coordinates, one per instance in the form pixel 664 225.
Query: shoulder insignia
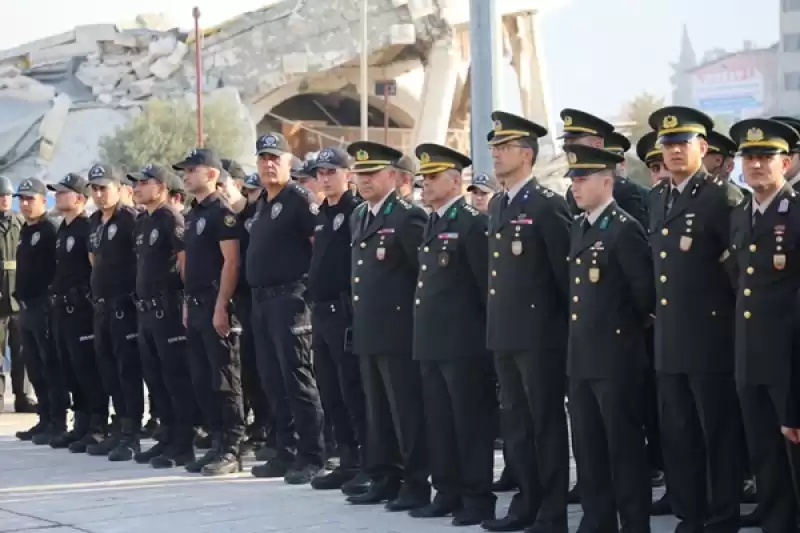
pixel 229 221
pixel 544 191
pixel 314 208
pixel 402 203
pixel 362 209
pixel 471 210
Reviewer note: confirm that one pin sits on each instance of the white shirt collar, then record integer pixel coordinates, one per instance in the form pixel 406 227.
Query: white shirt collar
pixel 595 214
pixel 443 210
pixel 512 192
pixel 682 185
pixel 375 209
pixel 762 207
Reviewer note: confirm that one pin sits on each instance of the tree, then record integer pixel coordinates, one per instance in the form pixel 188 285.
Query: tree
pixel 165 131
pixel 722 123
pixel 638 110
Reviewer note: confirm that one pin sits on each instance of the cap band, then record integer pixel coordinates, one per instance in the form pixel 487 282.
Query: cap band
pixel 771 143
pixel 653 153
pixel 579 129
pixel 691 128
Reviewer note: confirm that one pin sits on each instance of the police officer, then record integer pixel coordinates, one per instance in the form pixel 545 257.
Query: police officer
pixel 329 292
pixel 158 240
pixel 302 174
pixel 113 283
pixel 235 171
pixel 481 190
pixel 177 194
pixel 527 326
pixel 72 318
pixel 793 172
pixel 211 242
pixel 405 181
pixel 458 386
pixel 611 299
pixel 387 232
pixel 251 188
pixel 36 258
pixel 589 130
pixel 765 230
pixel 284 220
pixel 700 422
pixel 10 226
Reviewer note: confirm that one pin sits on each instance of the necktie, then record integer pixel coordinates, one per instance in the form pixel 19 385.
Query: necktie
pixel 504 202
pixel 432 220
pixel 674 193
pixel 756 217
pixel 368 219
pixel 586 225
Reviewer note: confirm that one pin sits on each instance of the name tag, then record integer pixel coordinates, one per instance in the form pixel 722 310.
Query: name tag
pixel 318 228
pixel 385 231
pixel 447 236
pixel 526 221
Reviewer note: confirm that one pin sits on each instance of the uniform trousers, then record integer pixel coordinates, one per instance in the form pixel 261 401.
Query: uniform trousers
pixel 774 461
pixel 74 342
pixel 254 396
pixel 701 437
pixel 533 389
pixel 41 360
pixel 282 329
pixel 609 444
pixel 20 382
pixel 118 358
pixel 339 379
pixel 215 368
pixel 655 456
pixel 396 442
pixel 165 364
pixel 460 416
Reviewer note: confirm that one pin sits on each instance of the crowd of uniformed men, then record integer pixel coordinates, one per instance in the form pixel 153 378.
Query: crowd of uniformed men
pixel 668 318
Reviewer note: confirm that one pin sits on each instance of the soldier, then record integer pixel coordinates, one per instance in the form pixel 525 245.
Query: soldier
pixel 458 386
pixel 387 231
pixel 589 130
pixel 329 292
pixel 700 422
pixel 612 298
pixel 158 241
pixel 764 234
pixel 793 172
pixel 36 257
pixel 481 190
pixel 649 152
pixel 113 285
pixel 284 220
pixel 10 226
pixel 211 242
pixel 72 314
pixel 527 326
pixel 719 161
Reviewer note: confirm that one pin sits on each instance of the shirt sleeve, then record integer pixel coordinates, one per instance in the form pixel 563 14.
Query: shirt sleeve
pixel 229 226
pixel 176 227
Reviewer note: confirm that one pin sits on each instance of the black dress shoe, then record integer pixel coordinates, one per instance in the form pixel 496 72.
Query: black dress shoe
pixel 751 519
pixel 661 507
pixel 358 485
pixel 329 480
pixel 440 506
pixel 472 516
pixel 378 491
pixel 507 523
pixel 408 501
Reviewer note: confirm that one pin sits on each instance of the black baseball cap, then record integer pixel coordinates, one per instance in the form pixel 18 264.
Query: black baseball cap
pixel 73 183
pixel 103 175
pixel 198 157
pixel 483 182
pixel 272 143
pixel 331 158
pixel 31 187
pixel 234 169
pixel 175 184
pixel 300 170
pixel 252 182
pixel 151 172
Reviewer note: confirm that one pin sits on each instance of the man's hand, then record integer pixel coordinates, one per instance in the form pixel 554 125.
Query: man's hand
pixel 185 315
pixel 793 434
pixel 221 321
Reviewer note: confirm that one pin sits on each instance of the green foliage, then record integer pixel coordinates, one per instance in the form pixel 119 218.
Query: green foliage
pixel 638 110
pixel 166 130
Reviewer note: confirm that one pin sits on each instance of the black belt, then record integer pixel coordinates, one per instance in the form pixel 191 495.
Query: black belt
pixel 157 302
pixel 32 303
pixel 70 299
pixel 115 303
pixel 265 293
pixel 201 297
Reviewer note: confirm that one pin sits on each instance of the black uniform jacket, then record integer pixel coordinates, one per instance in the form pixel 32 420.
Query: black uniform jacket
pixel 450 305
pixel 695 297
pixel 767 259
pixel 528 271
pixel 384 276
pixel 629 195
pixel 612 296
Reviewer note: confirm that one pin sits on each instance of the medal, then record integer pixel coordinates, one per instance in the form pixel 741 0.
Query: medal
pixel 516 247
pixel 444 259
pixel 779 261
pixel 380 253
pixel 594 274
pixel 685 243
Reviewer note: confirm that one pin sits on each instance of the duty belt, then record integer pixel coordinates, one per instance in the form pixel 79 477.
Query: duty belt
pixel 32 303
pixel 102 304
pixel 264 293
pixel 156 302
pixel 72 298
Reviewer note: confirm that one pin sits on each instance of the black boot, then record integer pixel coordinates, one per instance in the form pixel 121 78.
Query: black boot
pixel 202 439
pixel 149 430
pixel 129 444
pixel 28 434
pixel 330 479
pixel 52 431
pixel 196 467
pixel 227 461
pixel 95 435
pixel 179 452
pixel 79 428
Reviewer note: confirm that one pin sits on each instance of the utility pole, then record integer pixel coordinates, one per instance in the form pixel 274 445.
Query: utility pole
pixel 198 66
pixel 485 80
pixel 365 90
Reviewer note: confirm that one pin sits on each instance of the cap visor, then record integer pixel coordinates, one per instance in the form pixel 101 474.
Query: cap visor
pixel 57 187
pixel 368 170
pixel 271 151
pixel 672 138
pixel 580 172
pixel 574 134
pixel 250 186
pixel 184 165
pixel 324 164
pixel 26 194
pixel 138 176
pixel 102 182
pixel 484 188
pixel 502 139
pixel 760 150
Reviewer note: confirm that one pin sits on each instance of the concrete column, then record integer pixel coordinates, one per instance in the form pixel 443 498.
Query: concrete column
pixel 534 82
pixel 438 90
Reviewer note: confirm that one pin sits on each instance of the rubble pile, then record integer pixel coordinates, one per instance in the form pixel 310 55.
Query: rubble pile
pixel 117 66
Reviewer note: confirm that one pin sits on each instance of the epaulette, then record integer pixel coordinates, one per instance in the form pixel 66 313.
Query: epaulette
pixel 403 203
pixel 544 191
pixel 470 209
pixel 661 185
pixel 619 215
pixel 313 206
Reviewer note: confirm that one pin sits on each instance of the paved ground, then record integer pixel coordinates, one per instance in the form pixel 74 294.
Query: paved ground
pixel 48 491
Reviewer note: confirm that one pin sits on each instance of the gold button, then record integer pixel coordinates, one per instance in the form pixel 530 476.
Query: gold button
pixel 665 231
pixel 747 292
pixel 497 236
pixel 356 280
pixel 355 298
pixel 750 270
pixel 419 284
pixel 752 247
pixel 663 301
pixel 747 314
pixel 574 316
pixel 577 281
pixel 618 332
pixel 575 299
pixel 360 261
pixel 663 279
pixel 713 313
pixel 424 267
pixel 578 261
pixel 663 255
pixel 363 245
pixel 492 292
pixel 417 301
pixel 494 273
pixel 496 254
pixel 426 249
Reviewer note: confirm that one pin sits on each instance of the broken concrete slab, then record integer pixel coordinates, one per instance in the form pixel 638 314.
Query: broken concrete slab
pixel 94 33
pixel 141 89
pixel 26 88
pixel 141 66
pixel 126 40
pixel 101 74
pixel 39 44
pixel 166 66
pixel 9 71
pixel 163 46
pixel 53 124
pixel 61 53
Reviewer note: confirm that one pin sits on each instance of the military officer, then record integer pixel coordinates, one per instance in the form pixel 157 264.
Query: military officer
pixel 582 128
pixel 611 299
pixel 481 190
pixel 649 152
pixel 527 325
pixel 458 386
pixel 387 231
pixel 700 422
pixel 718 161
pixel 765 232
pixel 793 172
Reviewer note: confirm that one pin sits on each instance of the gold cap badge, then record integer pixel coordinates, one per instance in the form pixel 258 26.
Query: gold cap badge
pixel 498 125
pixel 424 158
pixel 362 155
pixel 670 121
pixel 572 158
pixel 755 135
pixel 568 120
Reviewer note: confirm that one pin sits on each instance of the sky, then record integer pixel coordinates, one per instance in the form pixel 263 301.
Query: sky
pixel 599 53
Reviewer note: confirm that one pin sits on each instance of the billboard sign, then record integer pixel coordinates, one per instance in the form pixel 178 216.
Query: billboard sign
pixel 733 87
